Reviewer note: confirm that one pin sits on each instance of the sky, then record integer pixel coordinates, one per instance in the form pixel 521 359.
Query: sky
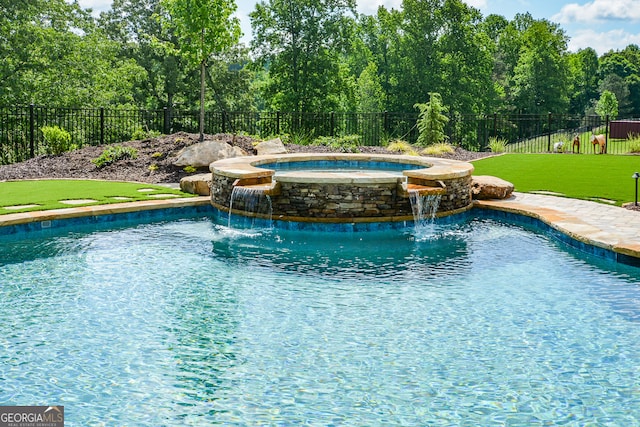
pixel 600 24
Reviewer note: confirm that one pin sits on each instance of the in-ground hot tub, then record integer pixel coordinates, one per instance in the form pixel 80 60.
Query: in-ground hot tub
pixel 339 187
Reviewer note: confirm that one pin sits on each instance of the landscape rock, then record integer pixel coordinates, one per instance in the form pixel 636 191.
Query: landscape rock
pixel 484 187
pixel 273 146
pixel 197 184
pixel 202 154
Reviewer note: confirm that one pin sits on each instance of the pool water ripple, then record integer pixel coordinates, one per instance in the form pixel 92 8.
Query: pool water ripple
pixel 190 323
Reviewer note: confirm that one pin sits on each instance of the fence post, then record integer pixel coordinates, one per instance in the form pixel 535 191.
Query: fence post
pixel 385 121
pixel 278 122
pixel 549 132
pixel 224 120
pixel 606 134
pixel 101 125
pixel 332 123
pixel 32 124
pixel 495 125
pixel 166 123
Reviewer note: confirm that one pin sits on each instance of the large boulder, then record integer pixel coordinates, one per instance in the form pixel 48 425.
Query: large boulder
pixel 197 184
pixel 484 187
pixel 273 146
pixel 202 154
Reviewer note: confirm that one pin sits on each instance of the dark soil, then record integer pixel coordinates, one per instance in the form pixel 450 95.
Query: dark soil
pixel 154 162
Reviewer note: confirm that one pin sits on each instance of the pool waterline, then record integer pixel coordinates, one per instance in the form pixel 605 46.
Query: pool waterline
pixel 582 232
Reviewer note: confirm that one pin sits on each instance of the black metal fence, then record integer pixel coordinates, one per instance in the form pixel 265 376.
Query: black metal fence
pixel 21 134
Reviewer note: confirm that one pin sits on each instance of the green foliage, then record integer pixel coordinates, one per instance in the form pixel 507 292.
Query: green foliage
pixel 540 82
pixel 113 153
pixel 203 28
pixel 189 169
pixel 432 120
pixel 301 44
pixel 141 133
pixel 297 138
pixel 347 143
pixel 402 147
pixel 634 143
pixel 57 140
pixel 439 149
pixel 607 105
pixel 497 145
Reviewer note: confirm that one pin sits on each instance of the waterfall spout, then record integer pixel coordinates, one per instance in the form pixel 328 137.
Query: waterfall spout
pixel 424 208
pixel 254 202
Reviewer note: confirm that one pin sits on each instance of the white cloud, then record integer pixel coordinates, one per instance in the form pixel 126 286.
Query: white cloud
pixel 478 4
pixel 96 5
pixel 599 10
pixel 602 42
pixel 370 7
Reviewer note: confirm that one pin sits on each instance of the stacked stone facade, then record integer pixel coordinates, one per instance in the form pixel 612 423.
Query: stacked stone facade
pixel 343 201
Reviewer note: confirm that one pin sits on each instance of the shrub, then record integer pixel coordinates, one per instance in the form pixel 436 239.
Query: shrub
pixel 497 145
pixel 114 153
pixel 403 147
pixel 140 134
pixel 634 143
pixel 297 138
pixel 56 139
pixel 347 143
pixel 432 120
pixel 439 149
pixel 189 169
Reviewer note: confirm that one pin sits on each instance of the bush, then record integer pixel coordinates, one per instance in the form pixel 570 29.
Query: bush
pixel 403 147
pixel 347 143
pixel 497 145
pixel 140 134
pixel 432 120
pixel 634 143
pixel 439 149
pixel 114 153
pixel 57 140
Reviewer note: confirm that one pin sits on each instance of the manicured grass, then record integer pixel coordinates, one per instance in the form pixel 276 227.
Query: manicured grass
pixel 47 194
pixel 590 177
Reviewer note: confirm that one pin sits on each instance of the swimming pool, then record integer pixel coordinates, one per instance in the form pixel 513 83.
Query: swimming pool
pixel 188 322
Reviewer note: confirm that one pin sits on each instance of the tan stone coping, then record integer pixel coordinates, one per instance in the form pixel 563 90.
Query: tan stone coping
pixel 54 214
pixel 567 224
pixel 249 167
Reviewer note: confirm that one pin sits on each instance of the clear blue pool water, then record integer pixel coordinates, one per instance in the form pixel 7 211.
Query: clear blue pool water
pixel 190 323
pixel 341 166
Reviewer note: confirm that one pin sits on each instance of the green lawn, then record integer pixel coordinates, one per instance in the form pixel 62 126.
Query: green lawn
pixel 47 194
pixel 591 177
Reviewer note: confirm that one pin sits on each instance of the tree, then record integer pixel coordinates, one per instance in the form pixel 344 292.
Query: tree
pixel 583 69
pixel 540 82
pixel 607 105
pixel 620 73
pixel 465 59
pixel 302 44
pixel 52 53
pixel 133 24
pixel 203 27
pixel 382 35
pixel 432 120
pixel 370 93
